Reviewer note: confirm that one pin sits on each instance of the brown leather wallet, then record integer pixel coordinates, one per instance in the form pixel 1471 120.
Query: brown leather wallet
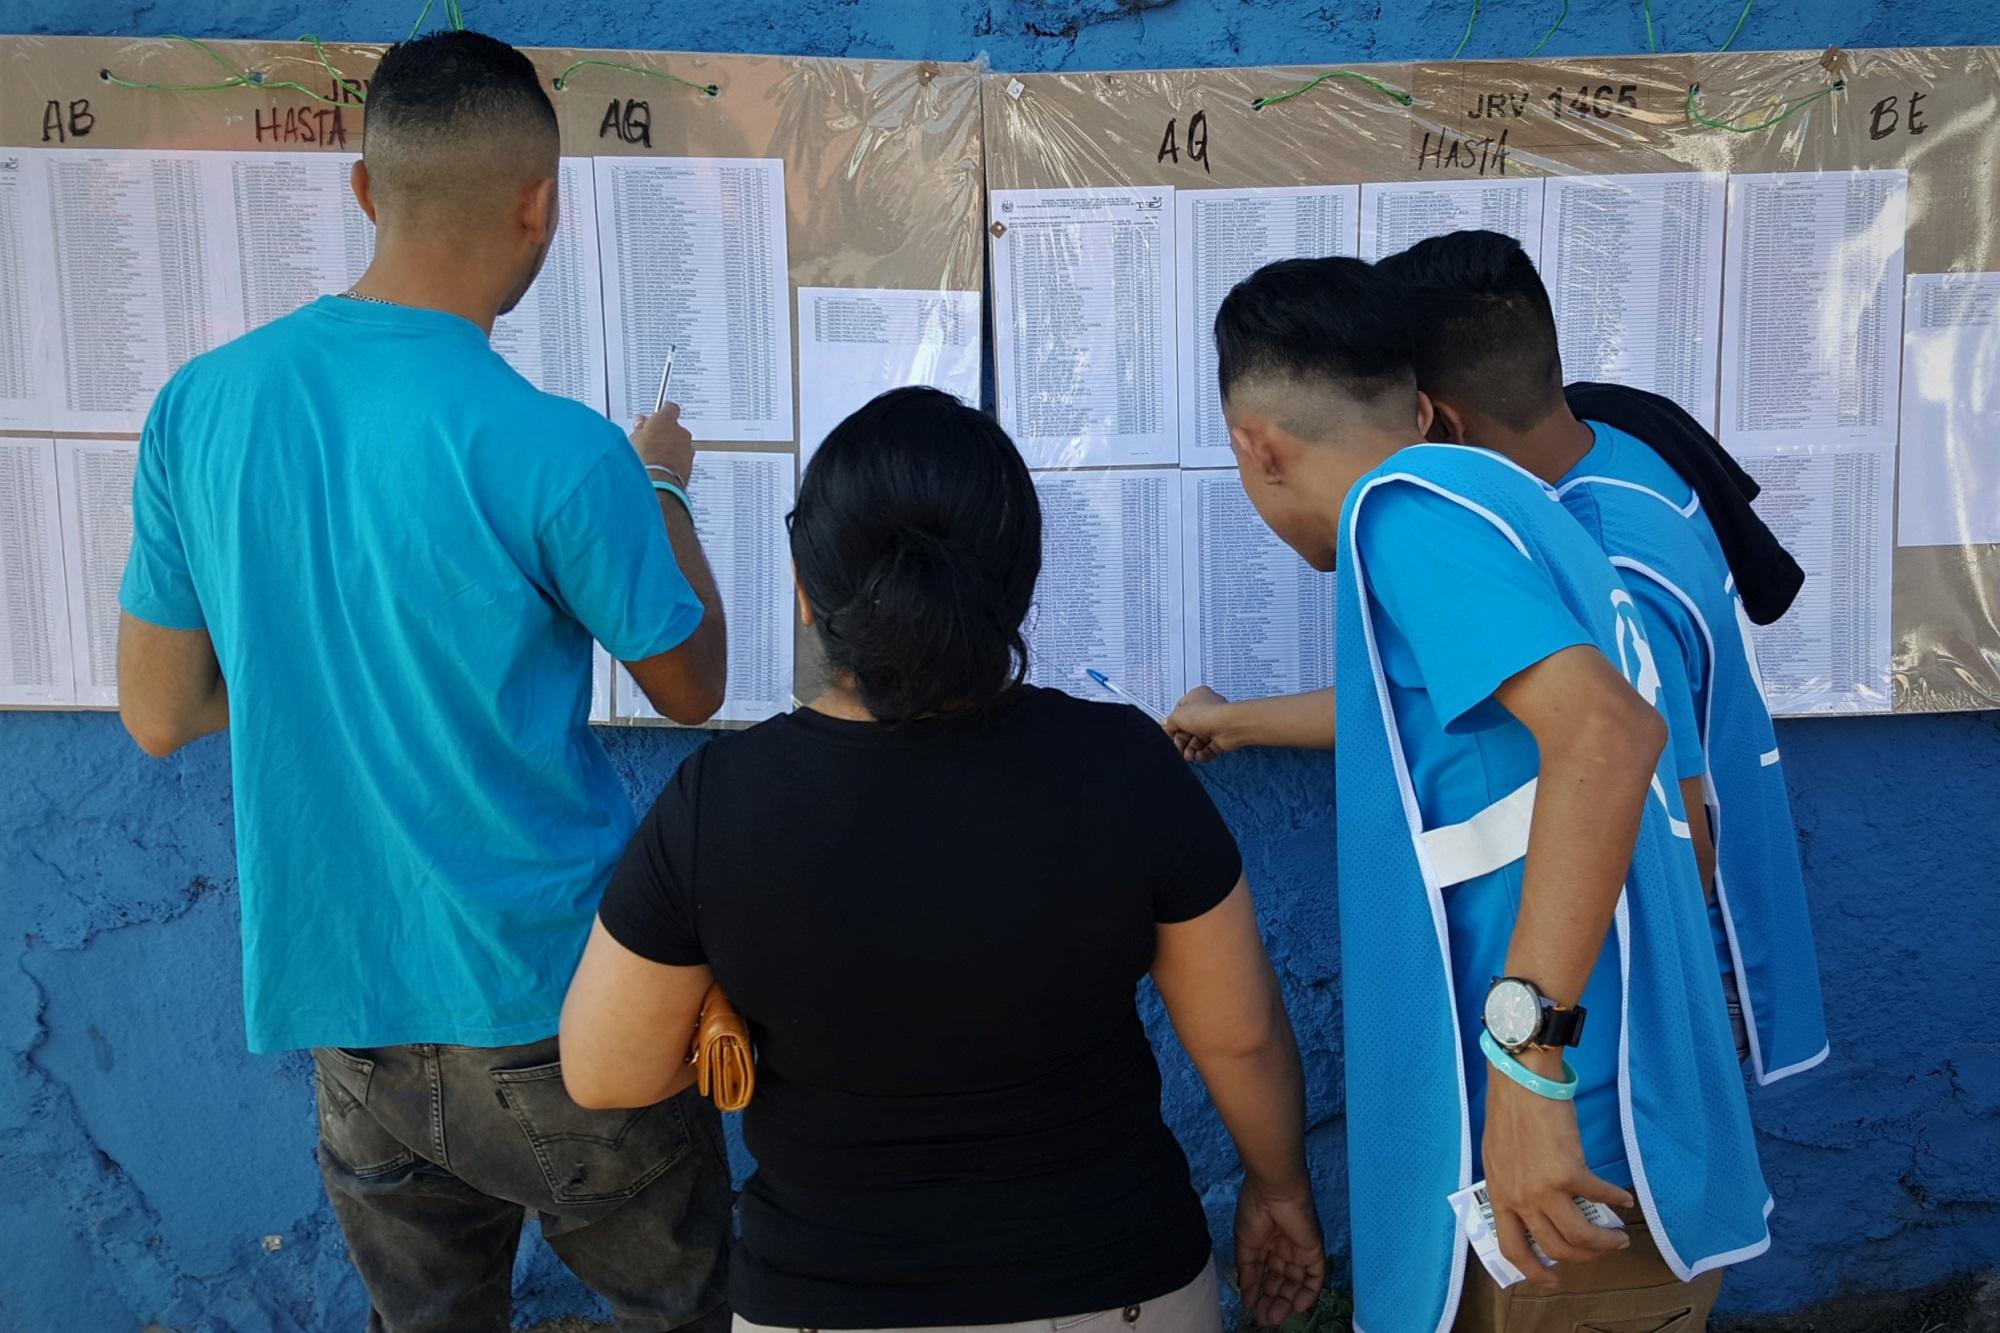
pixel 723 1065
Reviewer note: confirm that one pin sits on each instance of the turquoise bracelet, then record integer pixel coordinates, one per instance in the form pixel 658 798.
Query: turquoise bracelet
pixel 1503 1060
pixel 674 491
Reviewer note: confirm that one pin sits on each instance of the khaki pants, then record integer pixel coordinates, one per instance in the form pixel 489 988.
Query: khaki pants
pixel 1195 1308
pixel 1630 1291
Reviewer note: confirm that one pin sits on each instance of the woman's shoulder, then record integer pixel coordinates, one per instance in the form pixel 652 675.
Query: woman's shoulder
pixel 1106 731
pixel 1040 706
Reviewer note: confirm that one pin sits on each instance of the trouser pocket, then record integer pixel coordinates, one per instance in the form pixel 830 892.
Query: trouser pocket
pixel 348 1134
pixel 591 1156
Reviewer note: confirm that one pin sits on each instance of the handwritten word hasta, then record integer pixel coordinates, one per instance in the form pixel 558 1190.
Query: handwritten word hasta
pixel 1445 151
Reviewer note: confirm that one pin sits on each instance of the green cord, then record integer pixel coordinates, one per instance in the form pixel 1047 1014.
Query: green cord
pixel 238 78
pixel 1552 28
pixel 117 82
pixel 340 80
pixel 1647 6
pixel 1738 28
pixel 562 79
pixel 1392 94
pixel 1470 19
pixel 452 15
pixel 1694 91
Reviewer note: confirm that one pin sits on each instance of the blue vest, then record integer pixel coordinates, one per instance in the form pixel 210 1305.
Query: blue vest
pixel 1758 883
pixel 1685 1119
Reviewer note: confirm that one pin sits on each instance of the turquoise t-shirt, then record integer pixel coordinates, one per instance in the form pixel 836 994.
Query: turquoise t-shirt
pixel 402 551
pixel 1451 628
pixel 1680 650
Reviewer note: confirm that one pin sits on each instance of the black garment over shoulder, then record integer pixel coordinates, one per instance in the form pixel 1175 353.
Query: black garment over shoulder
pixel 1767 577
pixel 935 931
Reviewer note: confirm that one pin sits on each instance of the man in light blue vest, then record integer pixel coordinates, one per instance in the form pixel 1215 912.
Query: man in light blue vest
pixel 1487 355
pixel 1512 851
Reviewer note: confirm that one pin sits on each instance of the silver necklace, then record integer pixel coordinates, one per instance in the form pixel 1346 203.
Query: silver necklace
pixel 353 295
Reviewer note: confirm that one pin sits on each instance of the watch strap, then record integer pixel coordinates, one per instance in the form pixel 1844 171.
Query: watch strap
pixel 1561 1026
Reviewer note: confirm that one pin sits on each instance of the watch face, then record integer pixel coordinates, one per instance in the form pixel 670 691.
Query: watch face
pixel 1513 1014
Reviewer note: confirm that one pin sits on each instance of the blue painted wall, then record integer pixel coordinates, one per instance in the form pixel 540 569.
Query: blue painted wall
pixel 150 1170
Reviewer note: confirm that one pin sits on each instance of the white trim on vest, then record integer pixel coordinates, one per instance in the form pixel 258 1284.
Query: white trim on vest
pixel 1413 818
pixel 1688 510
pixel 1714 800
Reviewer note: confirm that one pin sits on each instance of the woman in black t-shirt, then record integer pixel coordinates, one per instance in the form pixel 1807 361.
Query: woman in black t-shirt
pixel 932 893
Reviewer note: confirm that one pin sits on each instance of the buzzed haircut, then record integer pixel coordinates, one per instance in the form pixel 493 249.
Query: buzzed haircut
pixel 1299 331
pixel 1485 332
pixel 455 119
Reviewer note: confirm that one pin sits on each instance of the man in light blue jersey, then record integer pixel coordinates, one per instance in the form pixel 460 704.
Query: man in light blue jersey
pixel 1511 851
pixel 378 556
pixel 1487 355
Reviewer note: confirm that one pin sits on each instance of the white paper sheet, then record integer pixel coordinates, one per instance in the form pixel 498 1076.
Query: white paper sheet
pixel 1948 493
pixel 856 342
pixel 600 683
pixel 28 389
pixel 1812 307
pixel 1258 620
pixel 1110 591
pixel 94 492
pixel 1220 238
pixel 1395 215
pixel 146 276
pixel 1830 506
pixel 1634 271
pixel 298 231
pixel 740 501
pixel 555 336
pixel 34 612
pixel 694 257
pixel 1083 314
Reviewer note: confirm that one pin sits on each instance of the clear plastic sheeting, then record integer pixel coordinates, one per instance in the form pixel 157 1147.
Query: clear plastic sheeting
pixel 1798 247
pixel 147 214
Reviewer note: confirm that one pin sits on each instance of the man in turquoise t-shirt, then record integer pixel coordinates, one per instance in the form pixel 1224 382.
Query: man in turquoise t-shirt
pixel 1511 850
pixel 376 555
pixel 1488 356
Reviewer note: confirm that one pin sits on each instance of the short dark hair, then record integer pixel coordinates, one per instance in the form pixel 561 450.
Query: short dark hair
pixel 452 83
pixel 918 540
pixel 1485 332
pixel 1333 321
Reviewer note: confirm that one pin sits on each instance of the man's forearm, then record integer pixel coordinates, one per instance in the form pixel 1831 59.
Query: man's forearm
pixel 1589 800
pixel 693 562
pixel 1302 720
pixel 688 553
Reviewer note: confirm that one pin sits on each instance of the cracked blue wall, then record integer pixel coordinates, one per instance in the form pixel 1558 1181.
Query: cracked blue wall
pixel 152 1171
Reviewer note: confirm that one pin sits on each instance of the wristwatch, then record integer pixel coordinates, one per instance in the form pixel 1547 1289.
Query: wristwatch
pixel 1520 1017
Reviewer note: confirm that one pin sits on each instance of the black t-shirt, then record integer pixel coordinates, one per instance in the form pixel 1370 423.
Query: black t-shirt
pixel 934 931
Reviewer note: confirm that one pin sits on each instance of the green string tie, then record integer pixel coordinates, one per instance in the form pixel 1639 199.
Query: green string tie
pixel 339 79
pixel 1393 94
pixel 562 79
pixel 452 15
pixel 1470 19
pixel 1791 109
pixel 1738 28
pixel 1552 29
pixel 238 77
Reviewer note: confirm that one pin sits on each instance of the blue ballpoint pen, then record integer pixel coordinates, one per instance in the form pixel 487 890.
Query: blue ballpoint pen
pixel 1136 702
